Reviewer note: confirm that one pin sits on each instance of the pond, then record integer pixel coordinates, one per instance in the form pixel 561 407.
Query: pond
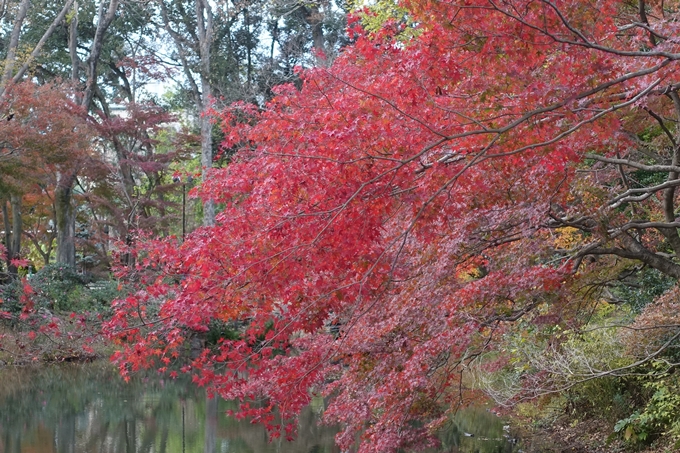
pixel 89 409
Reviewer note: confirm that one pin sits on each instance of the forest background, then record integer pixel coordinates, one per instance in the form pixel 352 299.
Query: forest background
pixel 398 206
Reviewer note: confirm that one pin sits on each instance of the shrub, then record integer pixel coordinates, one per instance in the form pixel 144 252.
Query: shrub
pixel 60 288
pixel 648 285
pixel 660 415
pixel 53 284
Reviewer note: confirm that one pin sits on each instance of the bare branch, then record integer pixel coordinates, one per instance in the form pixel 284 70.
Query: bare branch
pixel 634 164
pixel 647 192
pixel 662 125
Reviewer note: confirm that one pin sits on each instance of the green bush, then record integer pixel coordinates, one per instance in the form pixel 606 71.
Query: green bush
pixel 660 414
pixel 60 288
pixel 645 287
pixel 53 284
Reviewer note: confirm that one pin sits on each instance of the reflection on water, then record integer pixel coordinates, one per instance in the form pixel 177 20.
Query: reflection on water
pixel 89 409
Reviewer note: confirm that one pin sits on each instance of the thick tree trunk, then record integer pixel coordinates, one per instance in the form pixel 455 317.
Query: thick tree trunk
pixel 13 230
pixel 66 219
pixel 313 15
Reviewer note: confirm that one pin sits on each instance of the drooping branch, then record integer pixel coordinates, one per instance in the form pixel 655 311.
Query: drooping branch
pixel 568 370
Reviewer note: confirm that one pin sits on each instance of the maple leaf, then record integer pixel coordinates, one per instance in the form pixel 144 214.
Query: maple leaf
pixel 20 262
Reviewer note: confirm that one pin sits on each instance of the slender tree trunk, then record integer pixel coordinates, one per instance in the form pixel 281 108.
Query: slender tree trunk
pixel 8 234
pixel 43 39
pixel 14 41
pixel 249 71
pixel 203 93
pixel 73 44
pixel 17 227
pixel 206 158
pixel 205 37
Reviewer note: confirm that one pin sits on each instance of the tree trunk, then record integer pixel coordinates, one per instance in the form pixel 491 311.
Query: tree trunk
pixel 66 219
pixel 13 231
pixel 202 94
pixel 205 37
pixel 73 44
pixel 43 39
pixel 313 15
pixel 17 228
pixel 96 50
pixel 206 160
pixel 65 211
pixel 8 237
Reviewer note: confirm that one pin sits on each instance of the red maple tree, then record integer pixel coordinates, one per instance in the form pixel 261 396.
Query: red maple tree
pixel 382 224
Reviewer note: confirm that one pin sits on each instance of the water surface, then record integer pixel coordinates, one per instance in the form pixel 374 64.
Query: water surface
pixel 89 409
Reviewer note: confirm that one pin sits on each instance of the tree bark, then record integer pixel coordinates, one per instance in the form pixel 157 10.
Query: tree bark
pixel 13 231
pixel 17 227
pixel 314 18
pixel 205 38
pixel 8 237
pixel 66 219
pixel 73 44
pixel 202 94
